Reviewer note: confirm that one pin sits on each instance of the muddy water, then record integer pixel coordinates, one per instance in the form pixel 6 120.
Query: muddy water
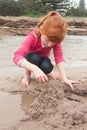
pixel 13 108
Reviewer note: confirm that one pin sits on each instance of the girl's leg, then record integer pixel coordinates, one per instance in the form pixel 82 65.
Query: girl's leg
pixel 26 79
pixel 47 67
pixel 34 58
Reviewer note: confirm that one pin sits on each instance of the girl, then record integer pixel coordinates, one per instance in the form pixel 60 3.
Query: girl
pixel 33 55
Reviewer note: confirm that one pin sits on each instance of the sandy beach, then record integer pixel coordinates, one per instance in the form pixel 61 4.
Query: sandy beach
pixel 45 106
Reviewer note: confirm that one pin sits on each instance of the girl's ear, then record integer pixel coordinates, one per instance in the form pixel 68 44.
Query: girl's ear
pixel 41 29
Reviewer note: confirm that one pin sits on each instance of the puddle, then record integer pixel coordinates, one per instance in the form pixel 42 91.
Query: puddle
pixel 13 108
pixel 26 101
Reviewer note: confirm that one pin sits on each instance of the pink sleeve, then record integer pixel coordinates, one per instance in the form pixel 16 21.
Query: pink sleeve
pixel 58 53
pixel 23 49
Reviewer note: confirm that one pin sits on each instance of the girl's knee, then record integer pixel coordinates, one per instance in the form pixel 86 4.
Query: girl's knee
pixel 46 66
pixel 33 58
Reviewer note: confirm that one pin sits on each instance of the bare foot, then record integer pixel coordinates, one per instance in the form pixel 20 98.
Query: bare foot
pixel 25 81
pixel 53 75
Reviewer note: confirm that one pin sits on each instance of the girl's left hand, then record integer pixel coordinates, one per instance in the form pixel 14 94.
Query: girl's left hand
pixel 70 83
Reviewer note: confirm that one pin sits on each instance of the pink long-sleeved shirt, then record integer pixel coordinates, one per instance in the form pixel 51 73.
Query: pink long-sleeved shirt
pixel 33 44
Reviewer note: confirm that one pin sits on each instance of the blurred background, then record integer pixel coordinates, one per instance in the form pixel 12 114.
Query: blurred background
pixel 37 8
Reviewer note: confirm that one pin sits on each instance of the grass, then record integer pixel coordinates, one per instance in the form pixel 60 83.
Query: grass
pixel 33 14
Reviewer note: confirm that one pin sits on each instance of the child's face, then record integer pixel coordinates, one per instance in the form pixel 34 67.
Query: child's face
pixel 46 42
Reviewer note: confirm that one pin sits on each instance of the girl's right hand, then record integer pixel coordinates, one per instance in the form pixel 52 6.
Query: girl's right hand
pixel 40 76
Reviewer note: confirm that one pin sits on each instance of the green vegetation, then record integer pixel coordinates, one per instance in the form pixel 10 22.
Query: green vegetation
pixel 32 13
pixel 37 8
pixel 80 11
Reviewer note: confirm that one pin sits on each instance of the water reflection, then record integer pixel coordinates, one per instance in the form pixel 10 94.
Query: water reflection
pixel 13 107
pixel 26 101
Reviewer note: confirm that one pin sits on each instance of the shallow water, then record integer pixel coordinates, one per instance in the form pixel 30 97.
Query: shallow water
pixel 13 108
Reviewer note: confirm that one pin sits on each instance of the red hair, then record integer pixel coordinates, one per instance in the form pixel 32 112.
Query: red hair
pixel 53 25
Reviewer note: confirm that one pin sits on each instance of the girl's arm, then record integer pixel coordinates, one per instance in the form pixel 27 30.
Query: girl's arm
pixel 40 76
pixel 63 76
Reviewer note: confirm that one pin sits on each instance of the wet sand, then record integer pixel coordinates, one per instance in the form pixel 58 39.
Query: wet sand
pixel 48 106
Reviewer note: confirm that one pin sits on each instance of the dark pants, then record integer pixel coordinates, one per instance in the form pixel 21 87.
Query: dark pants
pixel 43 63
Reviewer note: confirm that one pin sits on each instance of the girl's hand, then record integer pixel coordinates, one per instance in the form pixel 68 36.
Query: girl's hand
pixel 70 83
pixel 40 76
